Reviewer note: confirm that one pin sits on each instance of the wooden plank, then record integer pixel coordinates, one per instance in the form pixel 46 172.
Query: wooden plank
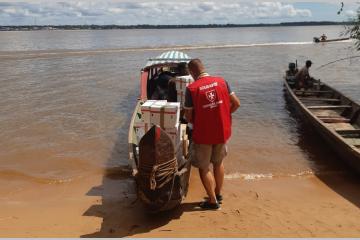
pixel 320 99
pixel 328 116
pixel 312 91
pixel 329 107
pixel 348 131
pixel 353 141
pixel 335 120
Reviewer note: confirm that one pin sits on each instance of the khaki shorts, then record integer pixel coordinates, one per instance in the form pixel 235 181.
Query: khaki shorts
pixel 201 155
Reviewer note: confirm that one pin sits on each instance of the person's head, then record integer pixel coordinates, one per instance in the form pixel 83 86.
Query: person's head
pixel 163 79
pixel 183 69
pixel 196 68
pixel 292 66
pixel 308 63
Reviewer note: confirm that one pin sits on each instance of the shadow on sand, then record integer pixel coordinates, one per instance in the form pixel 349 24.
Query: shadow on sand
pixel 326 164
pixel 122 214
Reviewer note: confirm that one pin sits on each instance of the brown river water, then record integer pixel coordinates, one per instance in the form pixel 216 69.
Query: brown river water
pixel 66 98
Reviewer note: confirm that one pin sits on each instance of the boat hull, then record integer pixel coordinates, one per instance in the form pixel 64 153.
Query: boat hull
pixel 348 153
pixel 173 192
pixel 317 40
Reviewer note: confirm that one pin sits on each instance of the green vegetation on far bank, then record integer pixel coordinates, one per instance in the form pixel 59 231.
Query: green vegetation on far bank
pixel 145 26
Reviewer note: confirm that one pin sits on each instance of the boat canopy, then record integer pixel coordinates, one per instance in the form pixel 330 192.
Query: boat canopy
pixel 167 58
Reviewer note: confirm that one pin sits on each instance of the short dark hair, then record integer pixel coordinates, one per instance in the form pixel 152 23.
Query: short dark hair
pixel 196 64
pixel 308 63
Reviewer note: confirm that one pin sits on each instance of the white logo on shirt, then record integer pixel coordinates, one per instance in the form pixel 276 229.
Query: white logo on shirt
pixel 211 95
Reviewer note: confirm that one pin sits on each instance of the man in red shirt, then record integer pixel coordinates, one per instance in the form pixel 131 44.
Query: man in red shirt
pixel 209 103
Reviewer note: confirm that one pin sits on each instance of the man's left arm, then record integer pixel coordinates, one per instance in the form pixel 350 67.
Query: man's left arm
pixel 234 100
pixel 188 106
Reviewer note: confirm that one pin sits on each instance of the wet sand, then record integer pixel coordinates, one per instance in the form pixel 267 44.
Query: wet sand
pixel 307 206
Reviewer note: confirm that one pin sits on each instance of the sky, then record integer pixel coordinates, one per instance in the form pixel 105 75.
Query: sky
pixel 161 12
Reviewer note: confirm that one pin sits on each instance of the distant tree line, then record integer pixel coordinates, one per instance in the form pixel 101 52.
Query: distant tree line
pixel 147 26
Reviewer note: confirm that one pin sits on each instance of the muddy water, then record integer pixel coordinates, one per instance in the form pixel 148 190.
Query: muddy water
pixel 66 98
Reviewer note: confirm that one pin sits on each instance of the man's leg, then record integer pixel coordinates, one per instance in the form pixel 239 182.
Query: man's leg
pixel 200 157
pixel 219 177
pixel 208 181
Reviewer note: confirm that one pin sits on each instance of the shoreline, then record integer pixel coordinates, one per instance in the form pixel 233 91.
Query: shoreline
pixel 106 206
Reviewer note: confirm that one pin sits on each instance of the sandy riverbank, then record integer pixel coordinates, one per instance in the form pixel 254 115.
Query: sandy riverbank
pixel 93 206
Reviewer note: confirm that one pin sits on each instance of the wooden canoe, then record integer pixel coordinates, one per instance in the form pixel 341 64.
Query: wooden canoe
pixel 334 116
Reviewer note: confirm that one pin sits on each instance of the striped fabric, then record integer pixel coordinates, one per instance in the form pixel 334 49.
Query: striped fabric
pixel 168 57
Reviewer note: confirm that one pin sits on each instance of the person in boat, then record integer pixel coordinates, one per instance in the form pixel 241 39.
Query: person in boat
pixel 208 105
pixel 323 37
pixel 302 78
pixel 161 86
pixel 290 74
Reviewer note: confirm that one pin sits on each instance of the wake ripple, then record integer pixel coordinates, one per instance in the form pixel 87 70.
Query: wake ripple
pixel 16 175
pixel 66 53
pixel 257 176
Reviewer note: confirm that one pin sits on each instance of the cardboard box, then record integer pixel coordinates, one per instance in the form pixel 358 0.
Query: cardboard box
pixel 182 82
pixel 174 133
pixel 145 110
pixel 181 98
pixel 165 114
pixel 140 129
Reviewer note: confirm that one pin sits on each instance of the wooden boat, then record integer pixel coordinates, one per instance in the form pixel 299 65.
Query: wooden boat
pixel 150 151
pixel 334 116
pixel 318 40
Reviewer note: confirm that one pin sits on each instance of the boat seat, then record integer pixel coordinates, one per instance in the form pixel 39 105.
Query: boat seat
pixel 351 133
pixel 311 91
pixel 334 120
pixel 353 141
pixel 320 99
pixel 329 107
pixel 328 116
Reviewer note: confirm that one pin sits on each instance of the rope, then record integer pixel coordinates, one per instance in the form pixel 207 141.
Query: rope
pixel 158 174
pixel 338 60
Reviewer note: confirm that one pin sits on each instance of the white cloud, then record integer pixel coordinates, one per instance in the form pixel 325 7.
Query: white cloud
pixel 277 9
pixel 147 12
pixel 350 13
